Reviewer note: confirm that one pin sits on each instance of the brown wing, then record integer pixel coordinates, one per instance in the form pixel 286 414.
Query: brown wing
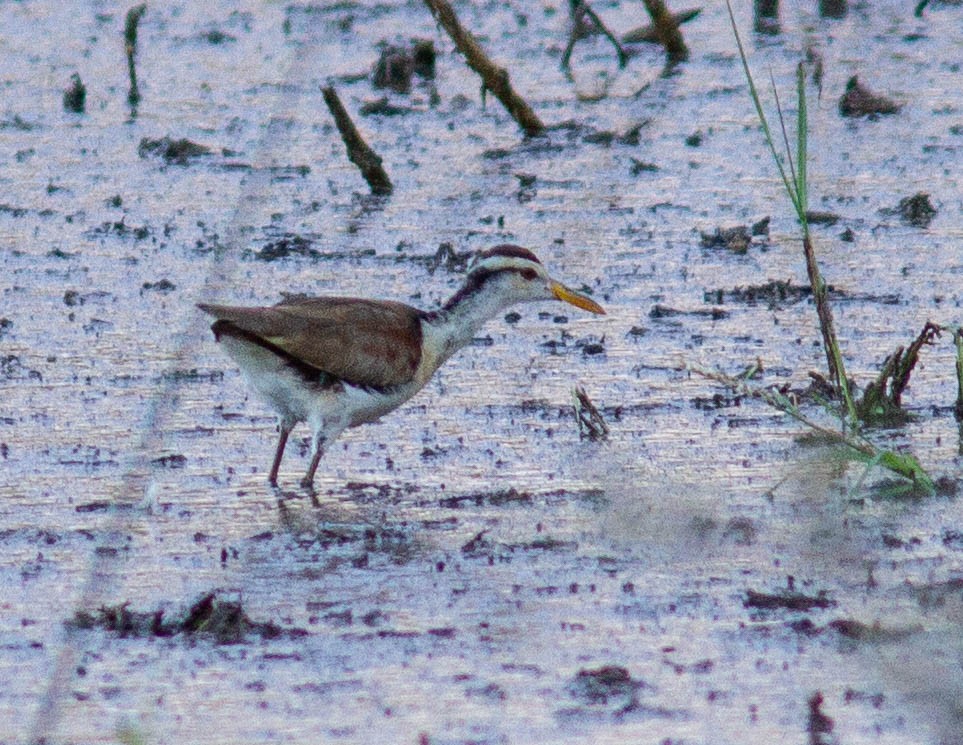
pixel 363 342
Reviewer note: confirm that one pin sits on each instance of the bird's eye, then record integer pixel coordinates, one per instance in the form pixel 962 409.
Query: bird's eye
pixel 529 274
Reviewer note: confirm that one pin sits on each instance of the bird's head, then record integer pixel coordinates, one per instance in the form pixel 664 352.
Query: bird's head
pixel 518 274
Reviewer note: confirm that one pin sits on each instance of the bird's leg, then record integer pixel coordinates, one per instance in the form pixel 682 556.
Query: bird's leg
pixel 284 428
pixel 308 481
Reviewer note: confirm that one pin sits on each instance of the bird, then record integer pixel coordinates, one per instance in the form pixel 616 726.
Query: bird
pixel 339 362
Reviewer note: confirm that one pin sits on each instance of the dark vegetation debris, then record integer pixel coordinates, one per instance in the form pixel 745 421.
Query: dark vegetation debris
pixel 383 107
pixel 584 22
pixel 859 101
pixel 916 210
pixel 591 424
pixel 736 239
pixel 664 311
pixel 216 36
pixel 766 17
pixel 397 64
pixel 881 402
pixel 170 461
pixel 641 166
pixel 173 151
pixel 394 69
pixel 285 247
pixel 815 217
pixel 610 686
pixel 818 725
pixel 120 227
pixel 130 46
pixel 449 259
pixel 649 34
pixel 834 9
pixel 75 97
pixel 786 600
pixel 774 293
pixel 222 621
pixel 163 285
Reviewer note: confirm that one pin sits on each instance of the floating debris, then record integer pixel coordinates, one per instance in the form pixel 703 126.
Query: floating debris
pixel 786 600
pixel 164 285
pixel 736 239
pixel 173 151
pixel 774 293
pixel 916 210
pixel 610 688
pixel 216 36
pixel 223 621
pixel 283 248
pixel 815 217
pixel 860 101
pixel 383 107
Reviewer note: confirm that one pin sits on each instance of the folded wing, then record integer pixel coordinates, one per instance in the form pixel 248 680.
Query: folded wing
pixel 366 343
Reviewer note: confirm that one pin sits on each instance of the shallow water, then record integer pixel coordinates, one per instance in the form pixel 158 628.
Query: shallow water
pixel 467 557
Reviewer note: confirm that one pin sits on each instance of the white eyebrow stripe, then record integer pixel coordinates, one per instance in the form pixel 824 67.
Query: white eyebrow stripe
pixel 497 263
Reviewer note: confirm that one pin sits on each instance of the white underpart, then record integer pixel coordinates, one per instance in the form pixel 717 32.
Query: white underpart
pixel 327 411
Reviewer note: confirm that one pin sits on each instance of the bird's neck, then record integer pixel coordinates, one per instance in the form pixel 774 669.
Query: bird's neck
pixel 462 317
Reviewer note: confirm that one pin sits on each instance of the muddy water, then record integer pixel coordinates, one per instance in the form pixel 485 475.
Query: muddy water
pixel 470 570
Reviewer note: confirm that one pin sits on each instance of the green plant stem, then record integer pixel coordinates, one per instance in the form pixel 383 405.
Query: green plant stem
pixel 797 188
pixel 899 463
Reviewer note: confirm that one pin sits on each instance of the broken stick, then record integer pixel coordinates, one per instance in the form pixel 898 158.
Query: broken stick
pixel 494 78
pixel 367 160
pixel 580 10
pixel 667 30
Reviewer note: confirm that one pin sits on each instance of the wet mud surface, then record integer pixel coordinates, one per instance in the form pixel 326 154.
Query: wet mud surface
pixel 470 569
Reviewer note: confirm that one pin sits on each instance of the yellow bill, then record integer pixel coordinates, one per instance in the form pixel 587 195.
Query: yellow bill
pixel 569 295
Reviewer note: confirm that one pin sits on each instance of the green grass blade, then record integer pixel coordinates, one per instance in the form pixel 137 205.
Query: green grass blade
pixel 802 129
pixel 759 112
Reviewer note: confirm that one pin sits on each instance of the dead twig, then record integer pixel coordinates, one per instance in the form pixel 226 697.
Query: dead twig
pixel 580 10
pixel 367 160
pixel 494 78
pixel 130 46
pixel 591 425
pixel 649 34
pixel 667 31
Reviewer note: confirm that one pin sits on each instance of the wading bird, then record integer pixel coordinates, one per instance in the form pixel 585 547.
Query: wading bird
pixel 337 362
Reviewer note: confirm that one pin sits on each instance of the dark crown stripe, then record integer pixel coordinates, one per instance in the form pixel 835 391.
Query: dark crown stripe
pixel 509 250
